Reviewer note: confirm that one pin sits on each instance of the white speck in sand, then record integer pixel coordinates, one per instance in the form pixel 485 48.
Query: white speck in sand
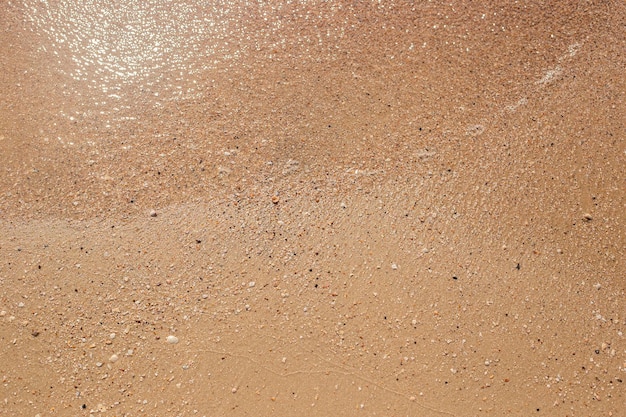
pixel 172 340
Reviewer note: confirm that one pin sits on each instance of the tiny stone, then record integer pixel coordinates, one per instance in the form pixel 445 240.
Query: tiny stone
pixel 153 213
pixel 129 352
pixel 394 266
pixel 172 340
pixel 20 305
pixel 112 336
pixel 251 284
pixel 234 390
pixel 587 217
pixel 114 358
pixel 99 364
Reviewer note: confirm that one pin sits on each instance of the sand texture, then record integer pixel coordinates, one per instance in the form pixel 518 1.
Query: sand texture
pixel 315 208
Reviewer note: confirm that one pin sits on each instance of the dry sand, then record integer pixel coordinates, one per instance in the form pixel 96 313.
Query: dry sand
pixel 333 208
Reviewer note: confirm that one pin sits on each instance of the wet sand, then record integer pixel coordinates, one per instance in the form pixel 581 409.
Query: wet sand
pixel 335 208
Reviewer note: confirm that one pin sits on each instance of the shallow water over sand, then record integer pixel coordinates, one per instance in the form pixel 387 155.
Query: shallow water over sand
pixel 333 207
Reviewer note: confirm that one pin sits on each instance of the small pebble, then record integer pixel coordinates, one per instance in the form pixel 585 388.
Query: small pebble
pixel 153 213
pixel 251 284
pixel 587 217
pixel 394 266
pixel 114 358
pixel 172 340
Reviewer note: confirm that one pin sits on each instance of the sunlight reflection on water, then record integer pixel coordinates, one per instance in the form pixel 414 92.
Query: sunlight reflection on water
pixel 113 54
pixel 115 43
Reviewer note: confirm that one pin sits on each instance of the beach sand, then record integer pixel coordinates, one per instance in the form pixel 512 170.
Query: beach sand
pixel 314 209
